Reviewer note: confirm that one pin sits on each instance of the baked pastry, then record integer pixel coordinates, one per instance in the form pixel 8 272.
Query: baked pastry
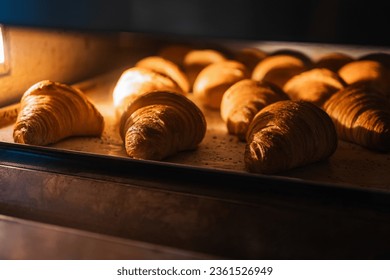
pixel 278 69
pixel 381 57
pixel 295 53
pixel 333 61
pixel 196 60
pixel 369 72
pixel 215 79
pixel 9 114
pixel 243 100
pixel 160 124
pixel 288 134
pixel 361 115
pixel 250 57
pixel 135 81
pixel 51 111
pixel 314 86
pixel 175 53
pixel 166 68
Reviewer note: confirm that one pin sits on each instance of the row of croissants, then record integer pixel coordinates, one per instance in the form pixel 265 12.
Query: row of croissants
pixel 289 110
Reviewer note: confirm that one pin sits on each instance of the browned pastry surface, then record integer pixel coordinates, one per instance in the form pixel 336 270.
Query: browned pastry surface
pixel 288 134
pixel 314 86
pixel 167 68
pixel 381 57
pixel 135 81
pixel 196 60
pixel 361 115
pixel 333 61
pixel 250 57
pixel 160 124
pixel 278 69
pixel 52 111
pixel 295 53
pixel 215 79
pixel 367 71
pixel 243 100
pixel 175 53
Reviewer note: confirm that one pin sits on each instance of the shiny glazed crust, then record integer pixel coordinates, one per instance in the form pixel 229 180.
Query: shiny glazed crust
pixel 52 111
pixel 136 81
pixel 288 134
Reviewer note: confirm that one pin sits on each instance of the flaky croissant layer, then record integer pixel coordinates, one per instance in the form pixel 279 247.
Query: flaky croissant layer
pixel 361 115
pixel 288 134
pixel 159 124
pixel 52 111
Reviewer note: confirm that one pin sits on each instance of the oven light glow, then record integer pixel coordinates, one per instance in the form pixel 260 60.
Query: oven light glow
pixel 2 58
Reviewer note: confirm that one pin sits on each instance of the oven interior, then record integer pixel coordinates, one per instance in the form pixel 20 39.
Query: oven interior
pixel 84 198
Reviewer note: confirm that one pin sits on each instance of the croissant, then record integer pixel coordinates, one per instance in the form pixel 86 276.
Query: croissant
pixel 215 79
pixel 160 124
pixel 196 60
pixel 314 86
pixel 243 100
pixel 166 68
pixel 295 53
pixel 288 134
pixel 333 61
pixel 361 115
pixel 135 81
pixel 278 69
pixel 51 111
pixel 381 57
pixel 250 57
pixel 367 71
pixel 175 53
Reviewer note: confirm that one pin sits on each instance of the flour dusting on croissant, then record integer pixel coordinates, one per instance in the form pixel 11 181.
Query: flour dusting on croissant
pixel 52 111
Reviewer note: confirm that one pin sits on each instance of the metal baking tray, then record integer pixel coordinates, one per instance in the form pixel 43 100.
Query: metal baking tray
pixel 351 165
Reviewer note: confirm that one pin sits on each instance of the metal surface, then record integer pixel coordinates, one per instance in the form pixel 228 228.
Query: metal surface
pixel 351 165
pixel 228 215
pixel 26 240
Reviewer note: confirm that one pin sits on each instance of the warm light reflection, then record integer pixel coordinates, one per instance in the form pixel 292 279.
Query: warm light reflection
pixel 2 58
pixel 128 84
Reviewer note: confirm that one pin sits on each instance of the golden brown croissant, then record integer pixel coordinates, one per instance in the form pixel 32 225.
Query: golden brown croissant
pixel 250 57
pixel 367 71
pixel 52 111
pixel 215 79
pixel 314 86
pixel 160 124
pixel 333 61
pixel 166 68
pixel 381 57
pixel 278 69
pixel 295 53
pixel 288 134
pixel 136 81
pixel 243 100
pixel 196 60
pixel 361 115
pixel 175 53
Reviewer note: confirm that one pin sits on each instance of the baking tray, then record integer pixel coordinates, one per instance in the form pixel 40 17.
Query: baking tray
pixel 350 166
